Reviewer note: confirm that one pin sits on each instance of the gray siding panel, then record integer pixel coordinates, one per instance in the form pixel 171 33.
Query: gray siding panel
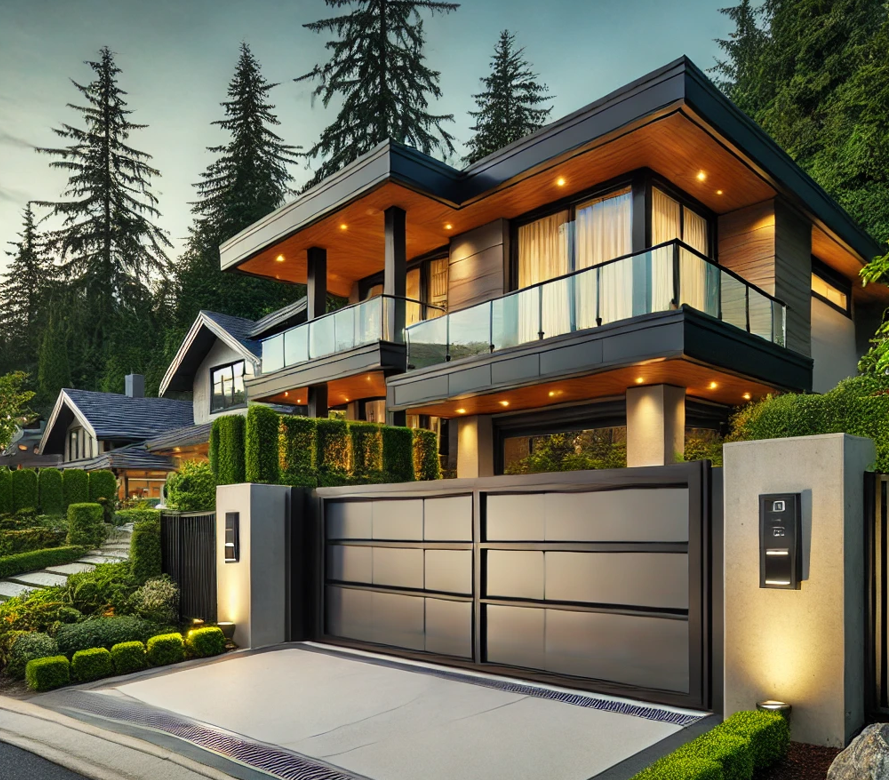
pixel 515 517
pixel 793 275
pixel 515 574
pixel 448 519
pixel 516 636
pixel 476 263
pixel 449 627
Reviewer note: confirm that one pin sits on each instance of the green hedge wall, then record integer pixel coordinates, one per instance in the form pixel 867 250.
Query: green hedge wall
pixel 49 489
pixel 426 462
pixel 296 451
pixel 214 451
pixel 229 467
pixel 24 489
pixel 367 451
pixel 85 524
pixel 398 453
pixel 145 548
pixel 75 487
pixel 332 448
pixel 102 485
pixel 30 539
pixel 38 559
pixel 5 491
pixel 261 446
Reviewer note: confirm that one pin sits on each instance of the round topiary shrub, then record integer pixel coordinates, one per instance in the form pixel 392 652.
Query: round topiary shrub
pixel 205 642
pixel 92 664
pixel 44 674
pixel 26 648
pixel 128 657
pixel 165 649
pixel 85 525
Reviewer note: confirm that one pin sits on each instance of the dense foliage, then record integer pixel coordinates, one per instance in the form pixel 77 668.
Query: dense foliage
pixel 205 642
pixel 261 445
pixel 5 491
pixel 85 525
pixel 367 451
pixel 296 448
pixel 45 674
pixel 30 539
pixel 14 409
pixel 75 487
pixel 426 461
pixel 333 451
pixel 103 632
pixel 192 488
pixel 39 559
pixel 573 451
pixel 92 664
pixel 102 486
pixel 50 495
pixel 157 600
pixel 145 549
pixel 229 466
pixel 24 489
pixel 106 590
pixel 26 648
pixel 398 454
pixel 128 657
pixel 165 649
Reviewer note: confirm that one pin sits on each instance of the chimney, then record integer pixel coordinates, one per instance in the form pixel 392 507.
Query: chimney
pixel 135 385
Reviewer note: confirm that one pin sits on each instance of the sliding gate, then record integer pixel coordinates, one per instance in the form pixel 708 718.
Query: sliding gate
pixel 598 580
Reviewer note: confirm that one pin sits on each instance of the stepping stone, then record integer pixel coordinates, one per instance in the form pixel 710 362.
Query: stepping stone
pixel 41 579
pixel 71 568
pixel 98 559
pixel 10 589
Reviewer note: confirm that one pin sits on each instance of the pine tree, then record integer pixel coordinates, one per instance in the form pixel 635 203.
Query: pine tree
pixel 510 106
pixel 53 369
pixel 740 76
pixel 249 179
pixel 107 238
pixel 377 67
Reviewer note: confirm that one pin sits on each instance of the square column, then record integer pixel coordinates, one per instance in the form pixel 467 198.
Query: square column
pixel 316 282
pixel 395 274
pixel 317 401
pixel 475 446
pixel 655 424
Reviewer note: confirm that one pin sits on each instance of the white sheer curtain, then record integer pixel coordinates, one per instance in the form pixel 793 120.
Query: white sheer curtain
pixel 438 287
pixel 413 311
pixel 603 231
pixel 544 252
pixel 692 269
pixel 666 225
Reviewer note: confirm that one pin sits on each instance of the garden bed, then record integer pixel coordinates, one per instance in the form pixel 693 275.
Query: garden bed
pixel 803 762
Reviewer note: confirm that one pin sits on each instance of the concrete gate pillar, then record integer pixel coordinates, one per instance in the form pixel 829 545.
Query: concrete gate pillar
pixel 475 446
pixel 655 424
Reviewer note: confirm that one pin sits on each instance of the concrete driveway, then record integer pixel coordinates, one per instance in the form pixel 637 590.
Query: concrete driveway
pixel 314 712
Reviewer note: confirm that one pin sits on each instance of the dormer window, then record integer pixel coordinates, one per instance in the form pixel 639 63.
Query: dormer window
pixel 227 387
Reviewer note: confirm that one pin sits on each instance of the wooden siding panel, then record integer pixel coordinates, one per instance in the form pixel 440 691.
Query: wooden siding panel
pixel 476 265
pixel 747 243
pixel 793 275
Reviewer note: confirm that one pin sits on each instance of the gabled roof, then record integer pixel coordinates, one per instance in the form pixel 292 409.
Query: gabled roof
pixel 180 437
pixel 112 416
pixel 133 456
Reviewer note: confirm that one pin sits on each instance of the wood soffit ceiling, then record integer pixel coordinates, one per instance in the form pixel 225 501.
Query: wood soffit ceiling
pixel 674 145
pixel 339 391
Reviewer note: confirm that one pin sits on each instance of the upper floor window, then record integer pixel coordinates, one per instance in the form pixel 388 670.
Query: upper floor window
pixel 426 282
pixel 227 384
pixel 831 287
pixel 74 448
pixel 671 219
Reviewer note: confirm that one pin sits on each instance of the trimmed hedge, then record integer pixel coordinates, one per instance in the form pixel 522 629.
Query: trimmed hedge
pixel 85 524
pixel 39 559
pixel 214 451
pixel 29 540
pixel 44 674
pixel 333 454
pixel 75 487
pixel 261 446
pixel 165 649
pixel 745 742
pixel 145 548
pixel 205 642
pixel 49 492
pixel 5 491
pixel 367 450
pixel 136 515
pixel 192 488
pixel 128 657
pixel 229 467
pixel 426 463
pixel 24 489
pixel 296 451
pixel 103 632
pixel 398 453
pixel 26 648
pixel 92 664
pixel 102 484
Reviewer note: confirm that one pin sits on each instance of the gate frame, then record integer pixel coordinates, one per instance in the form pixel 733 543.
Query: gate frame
pixel 166 516
pixel 704 582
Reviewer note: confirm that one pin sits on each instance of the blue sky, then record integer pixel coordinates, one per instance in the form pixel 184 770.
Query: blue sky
pixel 177 57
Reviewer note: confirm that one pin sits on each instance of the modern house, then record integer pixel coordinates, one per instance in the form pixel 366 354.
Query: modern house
pixel 638 267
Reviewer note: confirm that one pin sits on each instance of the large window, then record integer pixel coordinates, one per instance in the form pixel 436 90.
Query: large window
pixel 831 287
pixel 227 387
pixel 426 282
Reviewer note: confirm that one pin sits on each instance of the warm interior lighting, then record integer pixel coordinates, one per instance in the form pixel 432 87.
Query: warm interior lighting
pixel 23 447
pixel 177 449
pixel 504 403
pixel 746 396
pixel 286 392
pixel 560 181
pixel 280 258
pixel 461 411
pixel 449 226
pixel 343 226
pixel 639 380
pixel 701 176
pixel 299 400
pixel 713 385
pixel 719 192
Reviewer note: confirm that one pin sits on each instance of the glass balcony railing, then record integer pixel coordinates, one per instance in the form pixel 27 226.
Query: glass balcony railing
pixel 338 331
pixel 658 279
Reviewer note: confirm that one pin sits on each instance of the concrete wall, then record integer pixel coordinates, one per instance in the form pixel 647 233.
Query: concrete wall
pixel 833 347
pixel 253 593
pixel 805 647
pixel 219 354
pixel 475 446
pixel 655 424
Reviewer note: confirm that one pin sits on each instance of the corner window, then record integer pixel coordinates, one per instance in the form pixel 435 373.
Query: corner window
pixel 227 383
pixel 831 287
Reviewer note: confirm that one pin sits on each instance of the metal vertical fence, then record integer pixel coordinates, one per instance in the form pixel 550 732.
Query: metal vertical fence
pixel 188 554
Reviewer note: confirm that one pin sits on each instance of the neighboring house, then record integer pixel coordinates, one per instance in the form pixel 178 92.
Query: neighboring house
pixel 23 450
pixel 638 267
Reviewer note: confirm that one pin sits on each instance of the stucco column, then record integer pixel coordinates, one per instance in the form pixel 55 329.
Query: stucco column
pixel 475 446
pixel 655 424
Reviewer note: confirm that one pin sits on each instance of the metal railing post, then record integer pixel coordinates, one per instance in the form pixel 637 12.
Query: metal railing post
pixel 540 333
pixel 676 290
pixel 747 305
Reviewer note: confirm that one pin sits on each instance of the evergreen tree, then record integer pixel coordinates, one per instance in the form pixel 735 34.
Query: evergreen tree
pixel 740 75
pixel 249 179
pixel 53 369
pixel 377 67
pixel 510 106
pixel 107 240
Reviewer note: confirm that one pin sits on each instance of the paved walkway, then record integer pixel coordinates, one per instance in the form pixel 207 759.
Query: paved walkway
pixel 115 549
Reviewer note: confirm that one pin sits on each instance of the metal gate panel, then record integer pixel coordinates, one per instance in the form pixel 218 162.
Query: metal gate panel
pixel 188 555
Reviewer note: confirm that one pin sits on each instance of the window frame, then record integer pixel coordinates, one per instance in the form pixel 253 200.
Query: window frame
pixel 836 280
pixel 213 370
pixel 422 262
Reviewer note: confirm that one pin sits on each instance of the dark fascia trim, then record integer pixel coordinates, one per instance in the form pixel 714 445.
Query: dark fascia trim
pixel 274 322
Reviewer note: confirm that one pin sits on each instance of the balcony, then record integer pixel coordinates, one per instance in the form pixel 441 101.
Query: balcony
pixel 659 279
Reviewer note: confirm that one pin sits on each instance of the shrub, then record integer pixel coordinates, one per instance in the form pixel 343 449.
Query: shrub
pixel 5 490
pixel 103 632
pixel 29 539
pixel 296 450
pixel 229 466
pixel 204 642
pixel 682 769
pixel 106 589
pixel 124 516
pixel 75 487
pixel 705 445
pixel 85 524
pixel 24 489
pixel 145 548
pixel 165 649
pixel 26 648
pixel 49 490
pixel 426 462
pixel 332 447
pixel 92 664
pixel 367 450
pixel 192 488
pixel 128 657
pixel 102 484
pixel 261 445
pixel 731 752
pixel 39 559
pixel 157 600
pixel 44 674
pixel 767 732
pixel 214 451
pixel 398 453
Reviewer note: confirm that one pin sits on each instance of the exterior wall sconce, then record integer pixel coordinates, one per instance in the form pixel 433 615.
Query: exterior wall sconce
pixel 232 544
pixel 781 707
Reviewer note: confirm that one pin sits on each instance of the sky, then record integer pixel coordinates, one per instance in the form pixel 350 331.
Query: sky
pixel 177 57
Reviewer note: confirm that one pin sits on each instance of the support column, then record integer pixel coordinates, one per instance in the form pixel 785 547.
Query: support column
pixel 317 401
pixel 655 424
pixel 316 282
pixel 395 273
pixel 475 446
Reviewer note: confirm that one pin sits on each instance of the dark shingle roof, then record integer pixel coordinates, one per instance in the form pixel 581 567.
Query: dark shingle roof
pixel 238 327
pixel 181 437
pixel 133 456
pixel 286 316
pixel 115 416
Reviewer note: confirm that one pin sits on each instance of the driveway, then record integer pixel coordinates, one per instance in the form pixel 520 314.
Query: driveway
pixel 310 711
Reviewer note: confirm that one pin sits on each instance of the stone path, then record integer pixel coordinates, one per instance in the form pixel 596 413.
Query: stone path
pixel 115 549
